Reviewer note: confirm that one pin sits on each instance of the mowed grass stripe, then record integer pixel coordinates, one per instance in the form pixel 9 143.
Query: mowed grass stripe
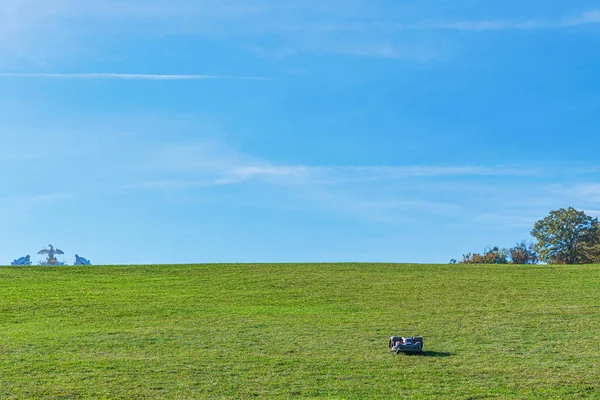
pixel 299 331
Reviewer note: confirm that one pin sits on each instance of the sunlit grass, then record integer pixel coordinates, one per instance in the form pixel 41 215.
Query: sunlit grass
pixel 299 330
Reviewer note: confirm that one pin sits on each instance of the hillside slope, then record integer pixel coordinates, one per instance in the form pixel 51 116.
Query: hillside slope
pixel 299 330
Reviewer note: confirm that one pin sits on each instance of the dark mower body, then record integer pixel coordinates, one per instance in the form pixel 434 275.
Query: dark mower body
pixel 399 344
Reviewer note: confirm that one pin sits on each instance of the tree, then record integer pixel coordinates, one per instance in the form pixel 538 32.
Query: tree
pixel 523 253
pixel 491 255
pixel 567 236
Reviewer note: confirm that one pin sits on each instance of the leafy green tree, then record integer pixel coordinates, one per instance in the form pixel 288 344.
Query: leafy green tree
pixel 523 253
pixel 567 236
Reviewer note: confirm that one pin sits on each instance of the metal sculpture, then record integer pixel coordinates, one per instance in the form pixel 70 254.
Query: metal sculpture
pixel 51 259
pixel 81 261
pixel 22 261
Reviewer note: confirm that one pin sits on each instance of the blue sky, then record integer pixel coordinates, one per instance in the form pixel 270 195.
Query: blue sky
pixel 286 131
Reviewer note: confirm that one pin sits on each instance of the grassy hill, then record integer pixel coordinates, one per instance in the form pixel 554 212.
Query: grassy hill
pixel 299 330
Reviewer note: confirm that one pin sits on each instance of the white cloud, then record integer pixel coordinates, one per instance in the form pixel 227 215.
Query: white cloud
pixel 152 77
pixel 223 161
pixel 426 170
pixel 588 192
pixel 468 195
pixel 585 18
pixel 39 30
pixel 419 52
pixel 285 171
pixel 229 171
pixel 176 184
pixel 348 174
pixel 188 165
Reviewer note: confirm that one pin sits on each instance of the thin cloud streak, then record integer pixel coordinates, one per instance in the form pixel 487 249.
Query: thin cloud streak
pixel 226 174
pixel 151 77
pixel 361 173
pixel 177 184
pixel 587 18
pixel 375 35
pixel 591 17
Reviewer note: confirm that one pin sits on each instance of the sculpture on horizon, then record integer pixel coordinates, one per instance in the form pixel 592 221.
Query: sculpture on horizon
pixel 81 261
pixel 22 261
pixel 51 259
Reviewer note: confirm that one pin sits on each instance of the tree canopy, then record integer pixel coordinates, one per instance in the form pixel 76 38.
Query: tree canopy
pixel 522 253
pixel 567 236
pixel 564 236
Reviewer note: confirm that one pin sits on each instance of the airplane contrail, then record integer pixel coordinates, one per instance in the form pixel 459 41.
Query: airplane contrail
pixel 151 77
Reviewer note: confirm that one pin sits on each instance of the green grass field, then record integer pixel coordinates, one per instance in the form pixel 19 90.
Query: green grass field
pixel 299 331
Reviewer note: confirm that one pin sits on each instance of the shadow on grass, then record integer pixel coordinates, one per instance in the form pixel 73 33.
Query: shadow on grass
pixel 430 354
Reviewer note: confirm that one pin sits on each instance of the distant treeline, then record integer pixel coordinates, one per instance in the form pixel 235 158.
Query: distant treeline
pixel 565 236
